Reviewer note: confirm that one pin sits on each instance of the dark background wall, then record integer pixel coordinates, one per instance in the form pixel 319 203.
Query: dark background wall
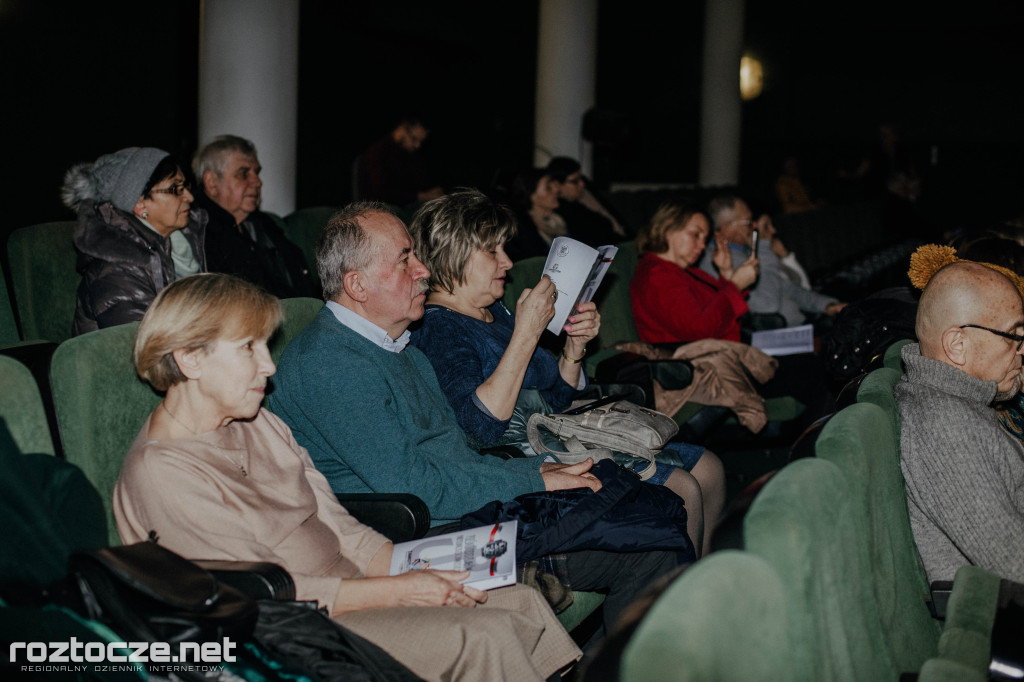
pixel 81 79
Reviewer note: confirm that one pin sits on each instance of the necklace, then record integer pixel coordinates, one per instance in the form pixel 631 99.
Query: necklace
pixel 241 467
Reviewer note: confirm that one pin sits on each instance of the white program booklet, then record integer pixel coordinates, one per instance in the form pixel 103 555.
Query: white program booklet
pixel 487 552
pixel 576 271
pixel 786 341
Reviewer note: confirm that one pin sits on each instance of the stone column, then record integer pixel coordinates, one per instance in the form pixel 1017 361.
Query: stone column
pixel 248 85
pixel 566 68
pixel 720 93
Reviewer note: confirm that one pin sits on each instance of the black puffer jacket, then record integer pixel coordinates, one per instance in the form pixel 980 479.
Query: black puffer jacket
pixel 124 264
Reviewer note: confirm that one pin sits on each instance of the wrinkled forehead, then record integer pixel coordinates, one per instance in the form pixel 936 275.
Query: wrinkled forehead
pixel 236 159
pixel 389 237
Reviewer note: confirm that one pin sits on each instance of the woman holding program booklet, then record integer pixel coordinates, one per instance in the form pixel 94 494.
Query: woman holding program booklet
pixel 217 477
pixel 487 360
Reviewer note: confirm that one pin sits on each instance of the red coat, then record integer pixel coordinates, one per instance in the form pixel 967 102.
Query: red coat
pixel 676 305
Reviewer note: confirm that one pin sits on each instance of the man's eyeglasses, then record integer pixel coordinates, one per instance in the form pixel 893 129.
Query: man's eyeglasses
pixel 176 189
pixel 1006 335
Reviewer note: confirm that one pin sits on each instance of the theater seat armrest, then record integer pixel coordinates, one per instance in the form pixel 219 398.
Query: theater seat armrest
pixel 938 598
pixel 398 516
pixel 258 579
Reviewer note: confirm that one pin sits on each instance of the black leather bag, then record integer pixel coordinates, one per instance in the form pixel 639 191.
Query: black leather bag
pixel 146 592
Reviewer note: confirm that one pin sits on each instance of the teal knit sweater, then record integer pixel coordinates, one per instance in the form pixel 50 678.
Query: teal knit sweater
pixel 376 421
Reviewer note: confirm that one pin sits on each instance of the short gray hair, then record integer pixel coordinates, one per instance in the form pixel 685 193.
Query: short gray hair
pixel 722 202
pixel 213 156
pixel 344 246
pixel 449 229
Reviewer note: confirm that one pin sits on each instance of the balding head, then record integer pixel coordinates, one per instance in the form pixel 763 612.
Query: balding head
pixel 967 293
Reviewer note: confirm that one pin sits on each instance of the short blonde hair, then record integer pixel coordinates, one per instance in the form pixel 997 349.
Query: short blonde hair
pixel 193 312
pixel 449 229
pixel 670 216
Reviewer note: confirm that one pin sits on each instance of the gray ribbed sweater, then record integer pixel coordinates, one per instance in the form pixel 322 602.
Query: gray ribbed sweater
pixel 964 473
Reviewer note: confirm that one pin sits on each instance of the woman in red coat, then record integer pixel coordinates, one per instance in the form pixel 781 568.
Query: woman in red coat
pixel 674 301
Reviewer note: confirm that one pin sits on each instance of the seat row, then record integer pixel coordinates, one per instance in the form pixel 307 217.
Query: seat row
pixel 828 585
pixel 41 262
pixel 101 404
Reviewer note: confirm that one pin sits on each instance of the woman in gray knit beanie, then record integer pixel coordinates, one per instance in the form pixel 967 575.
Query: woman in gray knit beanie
pixel 137 232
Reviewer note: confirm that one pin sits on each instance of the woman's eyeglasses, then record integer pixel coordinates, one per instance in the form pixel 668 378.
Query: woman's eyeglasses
pixel 176 189
pixel 1006 335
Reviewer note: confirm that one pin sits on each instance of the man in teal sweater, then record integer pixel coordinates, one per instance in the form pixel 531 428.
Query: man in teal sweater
pixel 368 408
pixel 371 413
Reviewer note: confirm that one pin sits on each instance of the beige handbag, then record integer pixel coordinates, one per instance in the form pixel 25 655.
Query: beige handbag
pixel 595 428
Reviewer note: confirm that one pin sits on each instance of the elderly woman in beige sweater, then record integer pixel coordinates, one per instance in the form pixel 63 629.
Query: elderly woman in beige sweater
pixel 217 477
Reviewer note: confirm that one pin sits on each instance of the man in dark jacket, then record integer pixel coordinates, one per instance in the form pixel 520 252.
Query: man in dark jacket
pixel 241 240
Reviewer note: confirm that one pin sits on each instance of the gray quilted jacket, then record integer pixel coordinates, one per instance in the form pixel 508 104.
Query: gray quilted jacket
pixel 124 264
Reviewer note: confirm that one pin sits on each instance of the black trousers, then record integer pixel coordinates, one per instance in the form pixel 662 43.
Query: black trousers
pixel 622 576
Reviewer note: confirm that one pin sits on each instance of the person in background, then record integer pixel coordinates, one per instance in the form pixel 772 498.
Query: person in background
pixel 534 198
pixel 585 218
pixel 774 291
pixel 392 168
pixel 241 240
pixel 137 232
pixel 214 476
pixel 674 301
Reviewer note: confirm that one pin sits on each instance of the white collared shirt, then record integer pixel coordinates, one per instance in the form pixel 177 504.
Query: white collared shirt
pixel 368 330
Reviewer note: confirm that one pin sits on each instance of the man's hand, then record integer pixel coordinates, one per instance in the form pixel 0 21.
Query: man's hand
pixel 746 274
pixel 722 258
pixel 834 308
pixel 568 476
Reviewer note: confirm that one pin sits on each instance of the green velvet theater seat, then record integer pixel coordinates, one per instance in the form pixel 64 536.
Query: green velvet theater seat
pixel 298 312
pixel 804 524
pixel 101 404
pixel 725 618
pixel 21 407
pixel 9 334
pixel 860 440
pixel 304 226
pixel 43 276
pixel 893 358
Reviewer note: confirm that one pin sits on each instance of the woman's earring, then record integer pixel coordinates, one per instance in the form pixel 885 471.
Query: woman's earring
pixel 145 215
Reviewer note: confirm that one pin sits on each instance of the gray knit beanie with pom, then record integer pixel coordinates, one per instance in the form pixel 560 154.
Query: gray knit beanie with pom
pixel 118 178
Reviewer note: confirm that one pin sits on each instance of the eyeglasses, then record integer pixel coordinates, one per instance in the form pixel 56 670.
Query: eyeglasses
pixel 1006 335
pixel 176 189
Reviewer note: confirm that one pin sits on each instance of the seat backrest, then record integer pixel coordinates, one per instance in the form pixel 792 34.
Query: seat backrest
pixel 21 406
pixel 45 281
pixel 893 355
pixel 860 440
pixel 803 524
pixel 298 312
pixel 876 388
pixel 612 298
pixel 8 326
pixel 101 405
pixel 725 618
pixel 303 227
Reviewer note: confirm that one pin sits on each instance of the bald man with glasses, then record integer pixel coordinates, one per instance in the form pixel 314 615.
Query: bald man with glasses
pixel 964 472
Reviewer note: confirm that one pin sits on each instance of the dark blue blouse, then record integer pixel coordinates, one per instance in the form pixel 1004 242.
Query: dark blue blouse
pixel 465 351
